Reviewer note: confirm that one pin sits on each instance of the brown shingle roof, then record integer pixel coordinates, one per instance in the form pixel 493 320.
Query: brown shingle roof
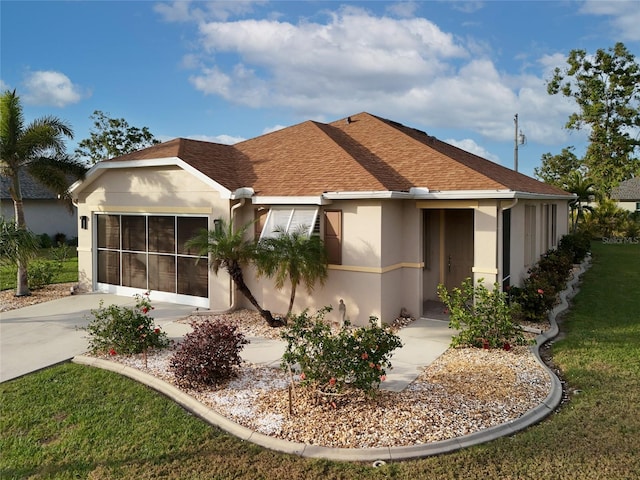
pixel 367 154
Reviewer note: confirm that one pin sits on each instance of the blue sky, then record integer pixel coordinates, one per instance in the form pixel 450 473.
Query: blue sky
pixel 227 71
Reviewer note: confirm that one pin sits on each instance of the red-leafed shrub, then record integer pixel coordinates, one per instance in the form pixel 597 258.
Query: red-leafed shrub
pixel 208 355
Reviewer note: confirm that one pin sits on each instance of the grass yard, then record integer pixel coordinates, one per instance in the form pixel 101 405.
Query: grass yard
pixel 72 421
pixel 66 256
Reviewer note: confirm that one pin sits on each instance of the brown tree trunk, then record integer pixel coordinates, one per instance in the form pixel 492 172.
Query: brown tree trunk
pixel 22 282
pixel 291 300
pixel 238 278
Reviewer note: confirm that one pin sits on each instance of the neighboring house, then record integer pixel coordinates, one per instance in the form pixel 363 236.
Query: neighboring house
pixel 627 194
pixel 400 212
pixel 43 211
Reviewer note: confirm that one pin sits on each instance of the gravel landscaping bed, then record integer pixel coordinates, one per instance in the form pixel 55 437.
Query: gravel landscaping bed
pixel 464 391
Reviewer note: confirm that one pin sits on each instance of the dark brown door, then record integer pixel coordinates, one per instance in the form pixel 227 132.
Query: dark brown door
pixel 458 244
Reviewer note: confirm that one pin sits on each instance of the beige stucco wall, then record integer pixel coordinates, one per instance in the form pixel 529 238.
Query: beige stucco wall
pixel 168 190
pixel 518 265
pixel 383 263
pixel 485 246
pixel 370 281
pixel 357 281
pixel 628 206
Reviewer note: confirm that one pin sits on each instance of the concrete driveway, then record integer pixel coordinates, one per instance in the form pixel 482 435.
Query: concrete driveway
pixel 38 336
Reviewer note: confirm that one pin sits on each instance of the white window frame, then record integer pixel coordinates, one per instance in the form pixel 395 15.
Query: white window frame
pixel 289 220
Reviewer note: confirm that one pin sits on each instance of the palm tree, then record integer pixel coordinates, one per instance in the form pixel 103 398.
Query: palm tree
pixel 229 250
pixel 296 257
pixel 16 244
pixel 583 188
pixel 39 149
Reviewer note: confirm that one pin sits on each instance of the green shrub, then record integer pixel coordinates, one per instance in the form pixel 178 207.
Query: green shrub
pixel 41 273
pixel 208 355
pixel 484 318
pixel 125 330
pixel 353 358
pixel 547 278
pixel 576 245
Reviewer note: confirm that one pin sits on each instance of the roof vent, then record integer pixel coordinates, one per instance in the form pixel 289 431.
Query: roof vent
pixel 243 192
pixel 417 191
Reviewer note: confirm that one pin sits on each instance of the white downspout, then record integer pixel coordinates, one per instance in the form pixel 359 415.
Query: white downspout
pixel 233 286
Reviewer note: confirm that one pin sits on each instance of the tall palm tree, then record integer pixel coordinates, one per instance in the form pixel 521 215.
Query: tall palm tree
pixel 584 189
pixel 228 249
pixel 39 149
pixel 294 256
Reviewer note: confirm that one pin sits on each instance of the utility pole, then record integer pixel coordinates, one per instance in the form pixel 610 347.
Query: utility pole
pixel 517 140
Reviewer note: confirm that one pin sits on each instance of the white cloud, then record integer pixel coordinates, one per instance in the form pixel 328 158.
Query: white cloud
pixel 471 146
pixel 467 7
pixel 50 88
pixel 625 16
pixel 4 86
pixel 404 68
pixel 187 11
pixel 354 55
pixel 275 128
pixel 222 138
pixel 403 9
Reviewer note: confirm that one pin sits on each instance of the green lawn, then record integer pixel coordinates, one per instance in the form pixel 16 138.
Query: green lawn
pixel 68 258
pixel 73 421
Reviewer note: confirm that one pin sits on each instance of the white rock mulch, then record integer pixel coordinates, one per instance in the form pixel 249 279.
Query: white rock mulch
pixel 463 391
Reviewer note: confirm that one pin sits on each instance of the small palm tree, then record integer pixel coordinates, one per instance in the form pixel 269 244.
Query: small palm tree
pixel 296 257
pixel 583 188
pixel 228 249
pixel 17 245
pixel 39 149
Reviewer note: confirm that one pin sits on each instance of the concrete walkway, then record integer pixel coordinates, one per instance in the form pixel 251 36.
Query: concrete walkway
pixel 41 335
pixel 38 336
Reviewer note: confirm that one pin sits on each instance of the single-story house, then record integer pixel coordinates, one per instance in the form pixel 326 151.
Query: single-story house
pixel 627 194
pixel 44 212
pixel 399 210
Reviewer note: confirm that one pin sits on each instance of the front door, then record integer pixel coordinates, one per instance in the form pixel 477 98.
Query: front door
pixel 458 246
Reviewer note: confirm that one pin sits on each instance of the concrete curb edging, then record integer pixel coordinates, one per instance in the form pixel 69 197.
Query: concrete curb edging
pixel 531 417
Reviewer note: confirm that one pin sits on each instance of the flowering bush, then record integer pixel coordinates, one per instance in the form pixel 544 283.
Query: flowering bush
pixel 353 358
pixel 484 317
pixel 547 278
pixel 208 355
pixel 125 330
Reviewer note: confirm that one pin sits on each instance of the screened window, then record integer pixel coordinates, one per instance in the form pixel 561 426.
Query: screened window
pixel 148 252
